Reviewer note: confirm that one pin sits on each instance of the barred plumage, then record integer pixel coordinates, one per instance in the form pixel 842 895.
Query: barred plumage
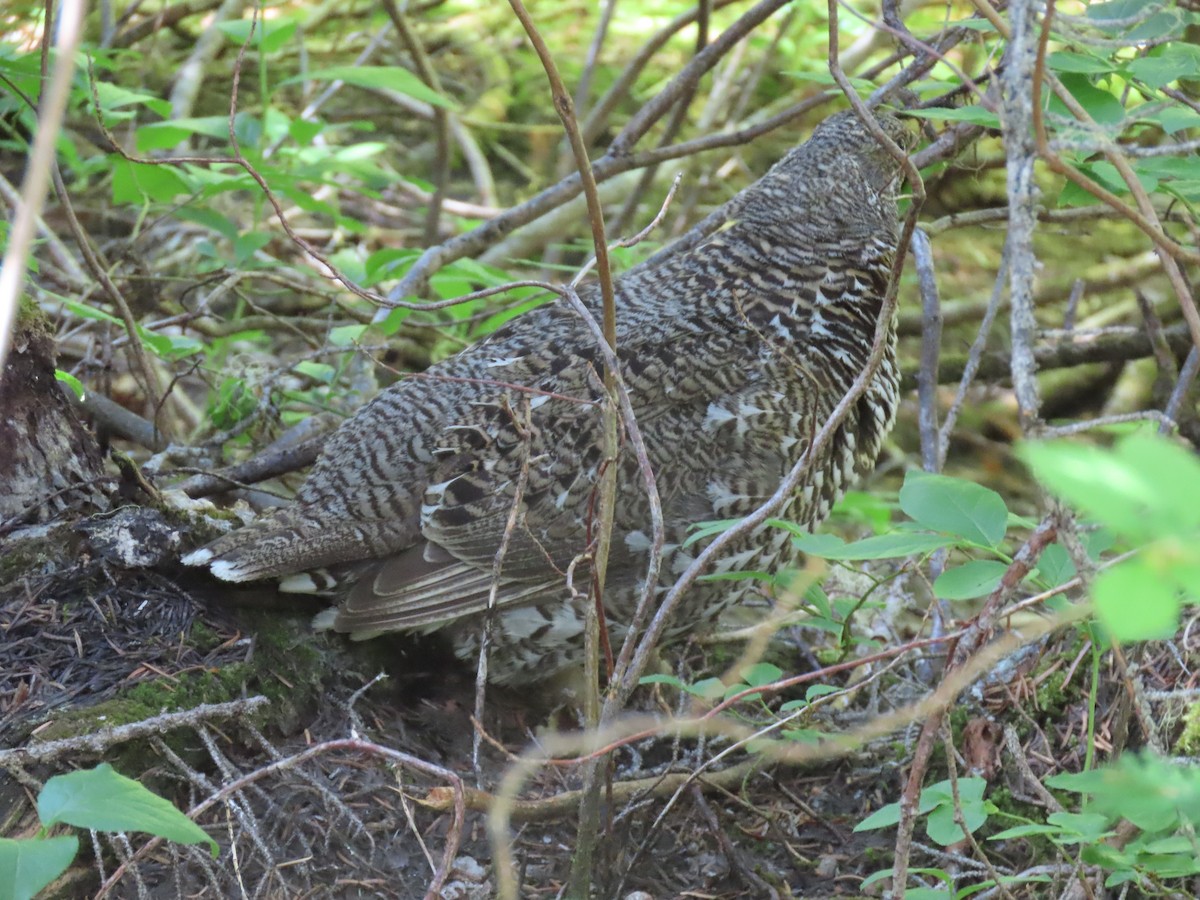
pixel 734 353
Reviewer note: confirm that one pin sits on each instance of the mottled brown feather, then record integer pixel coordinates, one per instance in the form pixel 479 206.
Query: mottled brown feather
pixel 734 352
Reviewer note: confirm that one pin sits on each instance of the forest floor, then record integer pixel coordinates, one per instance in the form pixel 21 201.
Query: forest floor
pixel 321 791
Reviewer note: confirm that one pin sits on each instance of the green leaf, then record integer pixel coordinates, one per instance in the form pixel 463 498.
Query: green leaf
pixel 165 135
pixel 1093 481
pixel 1172 119
pixel 761 673
pixel 976 115
pixel 860 506
pixel 953 505
pixel 660 678
pixel 210 219
pixel 393 78
pixel 1166 64
pixel 975 578
pixel 1153 793
pixel 1174 477
pixel 303 131
pixel 707 688
pixel 169 346
pixel 70 381
pixel 1084 64
pixel 27 866
pixel 863 86
pixel 1023 831
pixel 804 735
pixel 346 335
pixel 1099 104
pixel 942 829
pixel 232 403
pixel 1145 487
pixel 135 182
pixel 269 35
pixel 1135 603
pixel 884 546
pixel 113 96
pixel 1056 566
pixel 104 800
pixel 884 817
pixel 246 245
pixel 702 530
pixel 322 372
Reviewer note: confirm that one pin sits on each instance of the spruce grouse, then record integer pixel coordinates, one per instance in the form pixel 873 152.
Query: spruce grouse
pixel 734 353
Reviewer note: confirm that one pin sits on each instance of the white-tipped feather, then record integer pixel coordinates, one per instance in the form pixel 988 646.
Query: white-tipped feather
pixel 198 557
pixel 228 571
pixel 300 583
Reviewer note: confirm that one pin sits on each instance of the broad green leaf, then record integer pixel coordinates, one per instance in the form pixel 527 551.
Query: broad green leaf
pixel 393 78
pixel 661 678
pixel 816 597
pixel 702 530
pixel 269 35
pixel 1094 481
pixel 89 312
pixel 210 219
pixel 942 829
pixel 1023 831
pixel 884 817
pixel 170 346
pixel 821 76
pixel 1056 567
pixel 104 800
pixel 976 115
pixel 113 96
pixel 1174 476
pixel 975 578
pixel 1115 9
pixel 1166 22
pixel 953 505
pixel 246 245
pixel 883 546
pixel 1082 63
pixel 1145 487
pixel 761 673
pixel 1135 603
pixel 391 262
pixel 303 131
pixel 70 381
pixel 1172 118
pixel 346 335
pixel 970 790
pixel 165 135
pixel 804 735
pixel 861 506
pixel 27 866
pixel 1088 827
pixel 707 688
pixel 232 403
pixel 135 182
pixel 322 372
pixel 1099 104
pixel 1166 64
pixel 1153 793
pixel 925 893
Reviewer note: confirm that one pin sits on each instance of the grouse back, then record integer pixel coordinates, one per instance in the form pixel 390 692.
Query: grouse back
pixel 734 353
